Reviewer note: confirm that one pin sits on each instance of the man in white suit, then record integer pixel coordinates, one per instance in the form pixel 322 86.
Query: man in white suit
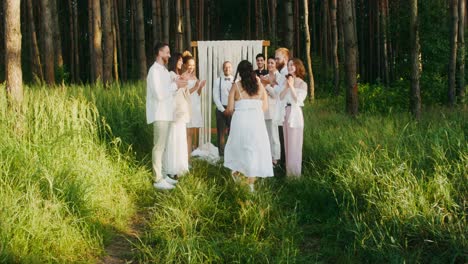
pixel 160 92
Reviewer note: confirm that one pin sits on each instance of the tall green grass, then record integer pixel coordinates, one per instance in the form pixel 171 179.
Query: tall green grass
pixel 401 186
pixel 63 189
pixel 377 188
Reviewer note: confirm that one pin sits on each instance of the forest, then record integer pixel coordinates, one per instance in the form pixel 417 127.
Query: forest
pixel 385 154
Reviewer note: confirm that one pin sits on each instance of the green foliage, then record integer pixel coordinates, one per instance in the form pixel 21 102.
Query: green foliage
pixel 400 186
pixel 62 188
pixel 210 219
pixel 377 188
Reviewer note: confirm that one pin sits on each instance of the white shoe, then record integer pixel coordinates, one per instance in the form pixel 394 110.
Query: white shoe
pixel 235 176
pixel 251 188
pixel 163 185
pixel 170 180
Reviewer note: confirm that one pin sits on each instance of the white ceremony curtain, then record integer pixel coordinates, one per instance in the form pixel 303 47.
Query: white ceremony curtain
pixel 211 55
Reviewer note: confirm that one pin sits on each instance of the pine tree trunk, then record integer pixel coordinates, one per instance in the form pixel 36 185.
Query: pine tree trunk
pixel 257 17
pixel 268 19
pixel 57 36
pixel 314 26
pixel 159 26
pixel 118 41
pixel 179 25
pixel 384 23
pixel 132 41
pixel 274 19
pixel 289 25
pixel 370 58
pixel 297 31
pixel 155 20
pixel 379 43
pixel 188 25
pixel 73 49
pixel 166 17
pixel 260 20
pixel 140 40
pixel 325 37
pixel 124 41
pixel 209 15
pixel 461 50
pixel 108 41
pixel 115 55
pixel 249 18
pixel 72 41
pixel 336 69
pixel 202 19
pixel 13 71
pixel 36 58
pixel 350 58
pixel 92 66
pixel 340 31
pixel 97 41
pixel 48 46
pixel 415 97
pixel 453 52
pixel 77 42
pixel 362 42
pixel 308 47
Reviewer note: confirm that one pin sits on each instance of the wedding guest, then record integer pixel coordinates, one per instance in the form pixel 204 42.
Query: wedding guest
pixel 270 81
pixel 160 93
pixel 221 88
pixel 248 149
pixel 195 87
pixel 176 155
pixel 293 96
pixel 282 57
pixel 260 60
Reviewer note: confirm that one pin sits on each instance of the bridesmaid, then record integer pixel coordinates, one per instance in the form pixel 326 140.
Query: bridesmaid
pixel 293 97
pixel 195 87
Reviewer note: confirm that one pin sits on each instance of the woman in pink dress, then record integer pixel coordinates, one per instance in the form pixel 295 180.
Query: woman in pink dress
pixel 292 97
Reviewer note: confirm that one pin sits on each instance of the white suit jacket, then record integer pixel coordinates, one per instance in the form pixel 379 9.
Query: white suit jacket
pixel 160 92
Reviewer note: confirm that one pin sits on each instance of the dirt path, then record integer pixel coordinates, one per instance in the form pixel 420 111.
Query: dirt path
pixel 120 249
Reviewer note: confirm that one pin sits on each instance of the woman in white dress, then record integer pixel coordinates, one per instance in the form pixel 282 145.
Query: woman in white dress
pixel 195 88
pixel 248 148
pixel 176 161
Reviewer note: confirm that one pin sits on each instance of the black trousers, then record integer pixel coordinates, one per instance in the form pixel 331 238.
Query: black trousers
pixel 281 138
pixel 222 122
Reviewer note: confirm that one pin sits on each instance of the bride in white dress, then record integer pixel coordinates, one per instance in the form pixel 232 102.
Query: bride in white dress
pixel 247 150
pixel 176 155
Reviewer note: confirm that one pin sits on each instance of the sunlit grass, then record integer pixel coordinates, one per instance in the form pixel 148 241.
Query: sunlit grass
pixel 74 169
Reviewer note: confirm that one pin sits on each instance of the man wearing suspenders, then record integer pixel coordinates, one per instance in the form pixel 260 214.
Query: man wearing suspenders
pixel 221 88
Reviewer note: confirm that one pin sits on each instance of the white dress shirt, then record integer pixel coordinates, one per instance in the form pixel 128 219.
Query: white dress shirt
pixel 160 92
pixel 273 95
pixel 284 71
pixel 221 99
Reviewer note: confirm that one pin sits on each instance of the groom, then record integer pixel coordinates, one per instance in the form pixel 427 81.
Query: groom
pixel 160 92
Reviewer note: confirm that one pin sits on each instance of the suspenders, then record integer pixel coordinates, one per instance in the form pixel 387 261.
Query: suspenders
pixel 220 91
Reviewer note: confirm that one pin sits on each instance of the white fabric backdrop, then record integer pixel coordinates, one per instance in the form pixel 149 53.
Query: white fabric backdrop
pixel 211 55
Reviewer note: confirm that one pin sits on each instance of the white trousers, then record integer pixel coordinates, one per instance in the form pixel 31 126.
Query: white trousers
pixel 160 141
pixel 274 139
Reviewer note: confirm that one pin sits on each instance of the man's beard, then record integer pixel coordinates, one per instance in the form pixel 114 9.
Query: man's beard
pixel 279 65
pixel 165 60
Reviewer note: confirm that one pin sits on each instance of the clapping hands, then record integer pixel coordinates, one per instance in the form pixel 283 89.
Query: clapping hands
pixel 181 82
